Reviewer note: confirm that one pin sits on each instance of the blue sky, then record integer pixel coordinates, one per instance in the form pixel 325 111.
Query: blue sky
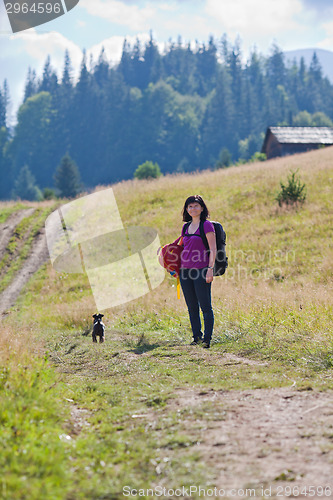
pixel 293 24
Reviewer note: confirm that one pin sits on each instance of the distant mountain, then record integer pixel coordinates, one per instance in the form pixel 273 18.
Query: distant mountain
pixel 325 57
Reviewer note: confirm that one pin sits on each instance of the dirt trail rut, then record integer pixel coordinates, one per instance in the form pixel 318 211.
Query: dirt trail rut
pixel 266 437
pixel 7 228
pixel 38 255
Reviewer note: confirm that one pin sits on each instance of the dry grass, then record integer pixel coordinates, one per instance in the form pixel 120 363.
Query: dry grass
pixel 16 344
pixel 26 204
pixel 278 257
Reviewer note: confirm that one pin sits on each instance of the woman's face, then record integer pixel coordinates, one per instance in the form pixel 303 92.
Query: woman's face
pixel 194 209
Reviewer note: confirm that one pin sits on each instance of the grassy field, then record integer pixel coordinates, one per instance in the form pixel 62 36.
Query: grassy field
pixel 81 421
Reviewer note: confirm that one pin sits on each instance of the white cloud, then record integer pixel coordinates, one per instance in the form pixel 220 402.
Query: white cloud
pixel 168 7
pixel 253 19
pixel 117 12
pixel 327 42
pixel 190 27
pixel 40 45
pixel 258 22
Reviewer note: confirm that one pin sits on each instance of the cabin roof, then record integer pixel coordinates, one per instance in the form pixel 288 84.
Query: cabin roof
pixel 303 135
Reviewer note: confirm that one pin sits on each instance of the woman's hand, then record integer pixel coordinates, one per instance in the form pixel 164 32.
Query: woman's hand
pixel 209 275
pixel 212 254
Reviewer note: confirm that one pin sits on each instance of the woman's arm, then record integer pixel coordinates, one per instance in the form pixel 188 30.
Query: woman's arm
pixel 181 242
pixel 212 255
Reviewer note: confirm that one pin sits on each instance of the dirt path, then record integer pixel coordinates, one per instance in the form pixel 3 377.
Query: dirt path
pixel 271 438
pixel 275 439
pixel 38 255
pixel 7 228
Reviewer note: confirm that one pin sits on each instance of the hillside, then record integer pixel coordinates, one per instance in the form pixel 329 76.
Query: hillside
pixel 325 58
pixel 145 409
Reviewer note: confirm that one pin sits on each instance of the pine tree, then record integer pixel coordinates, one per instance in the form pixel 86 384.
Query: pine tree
pixel 257 99
pixel 112 131
pixel 301 97
pixel 63 104
pixel 101 70
pixel 137 65
pixel 206 67
pixel 5 174
pixel 2 110
pixel 180 68
pixel 4 103
pixel 49 81
pixel 224 159
pixel 276 70
pixel 30 85
pixel 125 66
pixel 224 49
pixel 86 114
pixel 152 62
pixel 314 88
pixel 218 129
pixel 66 81
pixel 237 87
pixel 67 178
pixel 315 70
pixel 292 88
pixel 82 86
pixel 25 186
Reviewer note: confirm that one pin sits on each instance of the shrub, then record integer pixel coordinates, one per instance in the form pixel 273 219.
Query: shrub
pixel 293 192
pixel 148 170
pixel 258 157
pixel 48 194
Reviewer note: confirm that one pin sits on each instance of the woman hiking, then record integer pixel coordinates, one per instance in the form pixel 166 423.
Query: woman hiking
pixel 196 270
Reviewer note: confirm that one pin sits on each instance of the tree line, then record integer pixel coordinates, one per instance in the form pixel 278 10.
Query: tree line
pixel 185 108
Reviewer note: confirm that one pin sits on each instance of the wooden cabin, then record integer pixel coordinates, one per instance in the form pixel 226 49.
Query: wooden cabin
pixel 283 141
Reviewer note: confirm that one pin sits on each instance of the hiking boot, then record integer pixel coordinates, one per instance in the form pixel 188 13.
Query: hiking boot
pixel 196 342
pixel 206 345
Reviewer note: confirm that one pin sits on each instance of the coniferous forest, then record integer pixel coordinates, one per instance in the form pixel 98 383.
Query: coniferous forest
pixel 182 108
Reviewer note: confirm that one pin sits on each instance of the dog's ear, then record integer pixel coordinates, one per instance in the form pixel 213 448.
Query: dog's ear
pixel 94 315
pixel 101 315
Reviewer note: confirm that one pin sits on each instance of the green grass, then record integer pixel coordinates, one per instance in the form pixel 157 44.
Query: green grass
pixel 34 449
pixel 6 211
pixel 273 328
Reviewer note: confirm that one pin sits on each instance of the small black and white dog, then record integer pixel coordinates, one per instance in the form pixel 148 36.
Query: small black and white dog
pixel 98 328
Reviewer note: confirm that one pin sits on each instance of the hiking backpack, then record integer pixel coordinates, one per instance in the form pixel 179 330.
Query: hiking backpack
pixel 221 260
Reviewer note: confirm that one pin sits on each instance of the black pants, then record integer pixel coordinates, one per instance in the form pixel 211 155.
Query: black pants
pixel 197 294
